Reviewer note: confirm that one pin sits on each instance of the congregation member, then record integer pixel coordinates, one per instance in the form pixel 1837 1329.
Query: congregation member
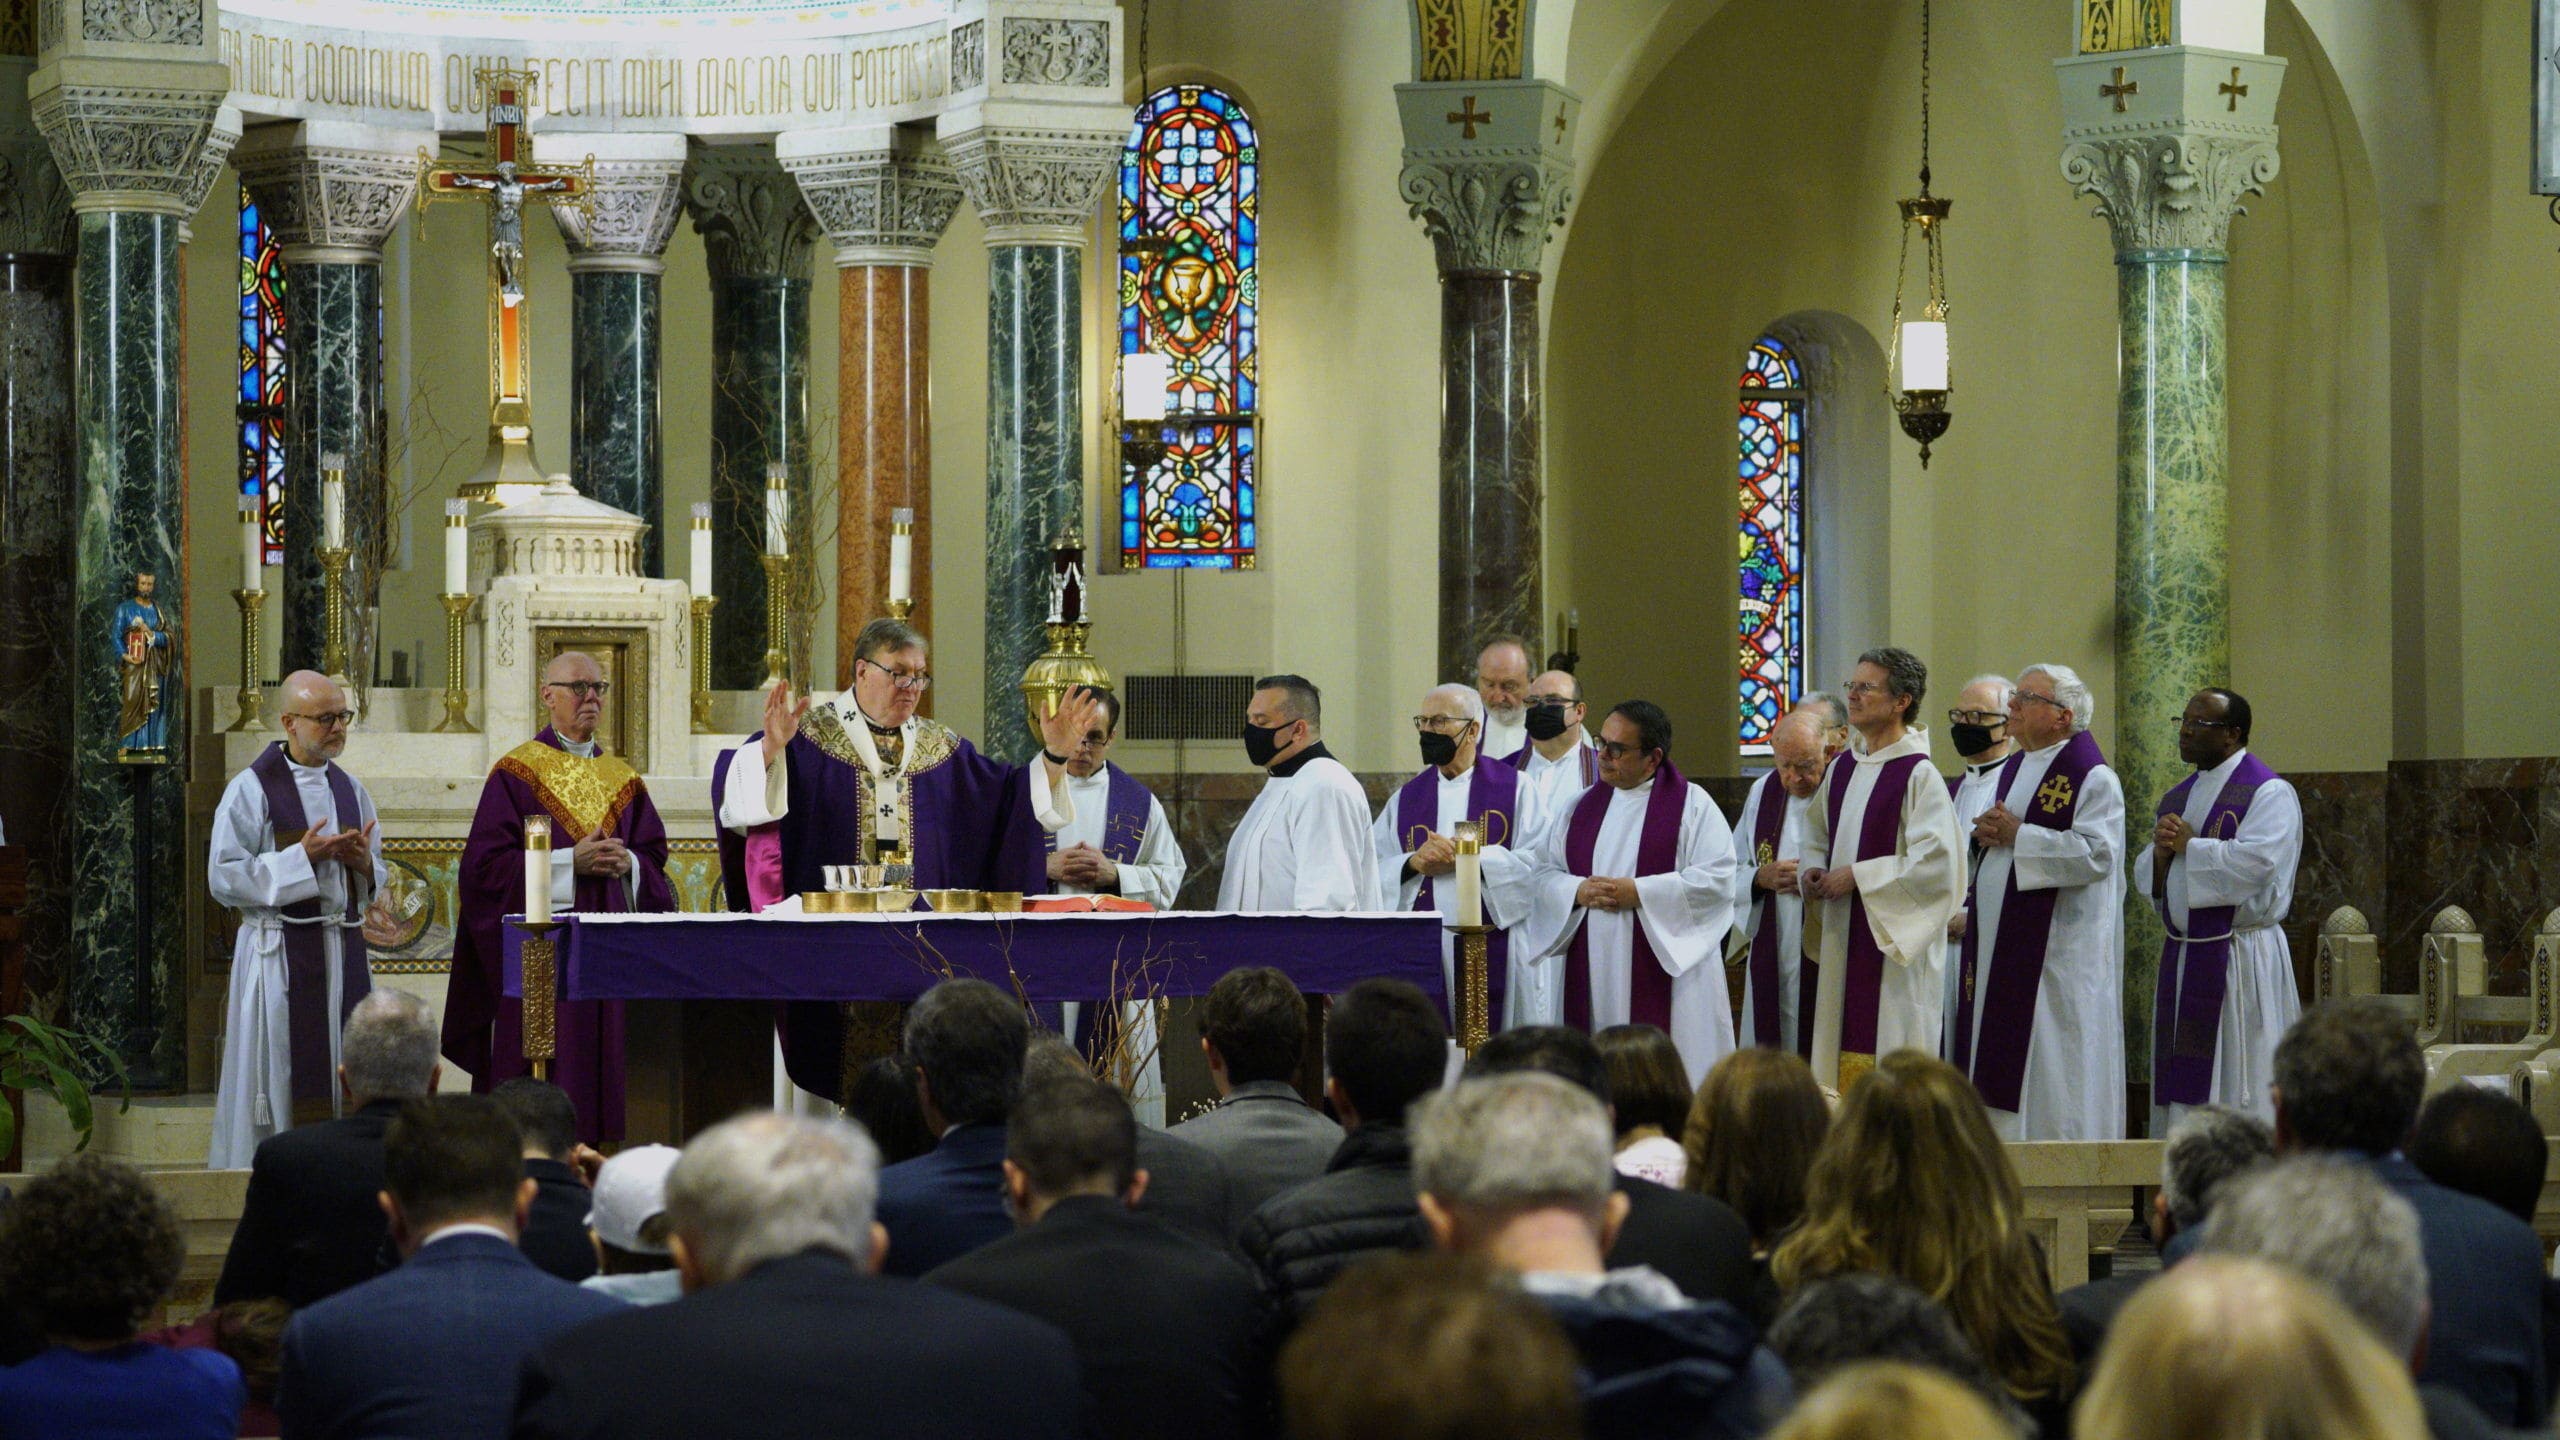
pixel 1187 1189
pixel 2481 1142
pixel 1253 1029
pixel 1415 843
pixel 2039 1023
pixel 2222 1346
pixel 861 776
pixel 295 850
pixel 1649 1095
pixel 1303 844
pixel 608 856
pixel 2219 870
pixel 1913 1183
pixel 433 1347
pixel 1635 893
pixel 965 1039
pixel 87 1252
pixel 1386 1046
pixel 555 1230
pixel 1429 1347
pixel 883 1103
pixel 1884 1398
pixel 1753 1131
pixel 1769 934
pixel 1863 1318
pixel 627 1221
pixel 1697 1241
pixel 1502 682
pixel 786 1332
pixel 1169 1333
pixel 2348 1077
pixel 2207 1149
pixel 1882 871
pixel 1517 1169
pixel 311 1223
pixel 1978 726
pixel 1560 759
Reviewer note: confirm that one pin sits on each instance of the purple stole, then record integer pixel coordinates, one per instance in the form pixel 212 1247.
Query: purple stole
pixel 2186 1015
pixel 1493 798
pixel 1879 834
pixel 2026 928
pixel 306 959
pixel 1766 823
pixel 1590 758
pixel 1124 819
pixel 1955 784
pixel 1657 853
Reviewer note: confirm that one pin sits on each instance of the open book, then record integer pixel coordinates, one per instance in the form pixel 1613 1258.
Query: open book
pixel 1083 904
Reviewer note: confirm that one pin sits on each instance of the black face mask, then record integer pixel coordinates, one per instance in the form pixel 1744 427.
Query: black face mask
pixel 1261 742
pixel 1546 722
pixel 1973 739
pixel 1438 749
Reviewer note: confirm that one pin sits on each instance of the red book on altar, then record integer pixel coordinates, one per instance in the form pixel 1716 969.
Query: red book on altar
pixel 1083 904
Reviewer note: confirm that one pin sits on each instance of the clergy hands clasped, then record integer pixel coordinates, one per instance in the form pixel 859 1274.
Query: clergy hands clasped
pixel 1837 883
pixel 1778 876
pixel 1436 855
pixel 1083 865
pixel 601 854
pixel 1996 827
pixel 1602 892
pixel 351 848
pixel 781 719
pixel 2172 835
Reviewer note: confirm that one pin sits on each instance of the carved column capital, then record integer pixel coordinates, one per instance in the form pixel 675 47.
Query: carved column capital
pixel 130 135
pixel 2170 142
pixel 749 212
pixel 331 192
pixel 884 194
pixel 35 206
pixel 1037 184
pixel 1488 169
pixel 639 196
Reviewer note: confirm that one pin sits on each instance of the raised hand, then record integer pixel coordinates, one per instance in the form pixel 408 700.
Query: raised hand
pixel 1077 712
pixel 318 844
pixel 781 719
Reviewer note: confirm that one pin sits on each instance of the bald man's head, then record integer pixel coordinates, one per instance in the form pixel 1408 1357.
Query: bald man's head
pixel 573 691
pixel 315 717
pixel 1796 744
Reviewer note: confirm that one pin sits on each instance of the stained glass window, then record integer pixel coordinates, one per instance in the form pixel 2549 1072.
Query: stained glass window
pixel 1189 240
pixel 261 408
pixel 1772 536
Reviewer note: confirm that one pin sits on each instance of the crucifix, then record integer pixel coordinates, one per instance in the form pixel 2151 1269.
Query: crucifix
pixel 509 180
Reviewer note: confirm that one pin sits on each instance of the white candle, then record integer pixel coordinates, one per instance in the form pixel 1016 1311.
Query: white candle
pixel 457 547
pixel 1470 875
pixel 333 502
pixel 902 554
pixel 702 549
pixel 537 868
pixel 253 546
pixel 777 510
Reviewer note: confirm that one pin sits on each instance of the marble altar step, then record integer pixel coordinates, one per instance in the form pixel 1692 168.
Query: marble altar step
pixel 160 1132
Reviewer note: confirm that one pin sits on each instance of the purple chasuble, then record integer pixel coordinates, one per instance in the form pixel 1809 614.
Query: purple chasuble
pixel 1657 853
pixel 1879 834
pixel 306 954
pixel 2195 968
pixel 1493 801
pixel 2026 927
pixel 1767 823
pixel 483 1028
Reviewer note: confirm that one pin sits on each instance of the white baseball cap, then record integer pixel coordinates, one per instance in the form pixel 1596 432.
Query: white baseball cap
pixel 630 1190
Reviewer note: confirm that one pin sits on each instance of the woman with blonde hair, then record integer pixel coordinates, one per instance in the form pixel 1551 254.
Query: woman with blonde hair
pixel 1753 1131
pixel 2221 1348
pixel 1913 1183
pixel 1883 1397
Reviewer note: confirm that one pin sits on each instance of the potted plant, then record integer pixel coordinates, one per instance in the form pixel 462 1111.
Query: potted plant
pixel 47 1058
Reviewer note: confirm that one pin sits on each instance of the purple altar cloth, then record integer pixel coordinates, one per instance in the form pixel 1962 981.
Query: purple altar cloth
pixel 1054 957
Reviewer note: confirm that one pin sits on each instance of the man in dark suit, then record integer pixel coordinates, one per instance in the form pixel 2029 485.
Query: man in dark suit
pixel 2348 1079
pixel 311 1225
pixel 1186 1185
pixel 1169 1331
pixel 965 1039
pixel 2209 1147
pixel 786 1332
pixel 433 1347
pixel 1695 1240
pixel 1253 1029
pixel 555 1237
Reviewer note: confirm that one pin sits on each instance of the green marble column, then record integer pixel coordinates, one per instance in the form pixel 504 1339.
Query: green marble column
pixel 614 455
pixel 1035 462
pixel 333 327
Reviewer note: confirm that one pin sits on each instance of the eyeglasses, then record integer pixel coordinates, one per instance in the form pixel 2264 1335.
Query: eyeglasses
pixel 1857 689
pixel 2191 722
pixel 583 689
pixel 1977 717
pixel 1441 724
pixel 330 721
pixel 903 679
pixel 1612 750
pixel 2016 695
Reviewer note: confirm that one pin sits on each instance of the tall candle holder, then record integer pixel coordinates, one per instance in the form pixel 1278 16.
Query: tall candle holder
pixel 1475 1000
pixel 252 700
pixel 541 998
pixel 702 662
pixel 901 609
pixel 777 595
pixel 457 677
pixel 333 578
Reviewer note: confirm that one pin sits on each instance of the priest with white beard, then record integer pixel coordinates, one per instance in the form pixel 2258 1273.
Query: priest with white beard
pixel 2220 869
pixel 2039 1023
pixel 295 851
pixel 1768 937
pixel 1304 844
pixel 1558 758
pixel 1414 837
pixel 1883 858
pixel 1635 891
pixel 1502 678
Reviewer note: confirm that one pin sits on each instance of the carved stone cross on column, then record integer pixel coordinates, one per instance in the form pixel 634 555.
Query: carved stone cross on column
pixel 1468 115
pixel 2120 89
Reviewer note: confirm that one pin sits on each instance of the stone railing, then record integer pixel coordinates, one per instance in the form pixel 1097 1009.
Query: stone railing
pixel 208 1205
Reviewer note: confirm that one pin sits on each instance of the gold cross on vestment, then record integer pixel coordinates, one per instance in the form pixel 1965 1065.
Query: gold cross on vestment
pixel 2120 89
pixel 2234 89
pixel 1468 115
pixel 2055 794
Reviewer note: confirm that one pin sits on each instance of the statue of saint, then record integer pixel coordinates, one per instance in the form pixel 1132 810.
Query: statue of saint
pixel 142 658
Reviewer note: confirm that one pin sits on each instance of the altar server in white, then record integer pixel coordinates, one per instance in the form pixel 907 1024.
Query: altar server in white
pixel 1768 934
pixel 1559 759
pixel 1882 858
pixel 1635 892
pixel 2219 869
pixel 1979 726
pixel 1415 840
pixel 1304 844
pixel 295 851
pixel 2039 1022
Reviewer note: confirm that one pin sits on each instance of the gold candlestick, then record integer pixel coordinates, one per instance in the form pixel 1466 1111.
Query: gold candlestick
pixel 901 609
pixel 333 580
pixel 1474 997
pixel 777 595
pixel 702 662
pixel 541 998
pixel 457 676
pixel 252 701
